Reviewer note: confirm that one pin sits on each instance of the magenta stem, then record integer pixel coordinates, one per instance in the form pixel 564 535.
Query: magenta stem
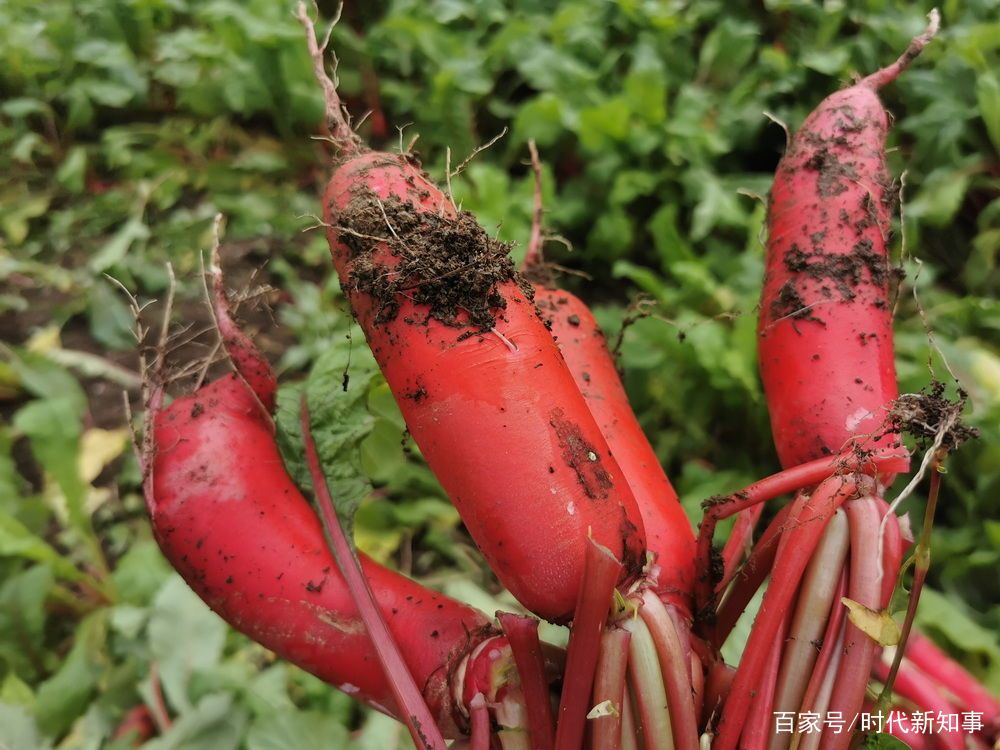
pixel 951 676
pixel 748 580
pixel 864 587
pixel 760 722
pixel 797 545
pixel 522 634
pixel 249 363
pixel 789 480
pixel 675 666
pixel 480 719
pixel 609 685
pixel 600 574
pixel 411 703
pixel 739 540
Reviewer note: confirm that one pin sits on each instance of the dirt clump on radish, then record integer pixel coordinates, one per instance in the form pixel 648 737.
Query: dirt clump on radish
pixel 929 413
pixel 581 457
pixel 450 265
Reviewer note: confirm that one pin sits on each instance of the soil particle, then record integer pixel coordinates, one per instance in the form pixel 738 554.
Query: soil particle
pixel 450 265
pixel 581 457
pixel 789 304
pixel 834 174
pixel 846 272
pixel 418 394
pixel 924 414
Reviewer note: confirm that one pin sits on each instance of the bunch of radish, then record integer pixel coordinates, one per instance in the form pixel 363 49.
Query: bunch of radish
pixel 511 394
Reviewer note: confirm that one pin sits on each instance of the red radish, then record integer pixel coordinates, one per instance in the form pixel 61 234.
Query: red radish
pixel 233 524
pixel 584 347
pixel 481 385
pixel 668 531
pixel 825 330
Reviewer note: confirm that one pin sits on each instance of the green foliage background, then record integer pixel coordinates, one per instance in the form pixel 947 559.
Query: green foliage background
pixel 125 125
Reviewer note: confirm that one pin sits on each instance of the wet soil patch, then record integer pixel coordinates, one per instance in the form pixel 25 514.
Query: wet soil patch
pixel 449 265
pixel 834 173
pixel 579 455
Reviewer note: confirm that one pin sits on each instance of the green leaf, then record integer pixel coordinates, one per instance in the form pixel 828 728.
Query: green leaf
pixel 140 573
pixel 22 619
pixel 185 636
pixel 303 730
pixel 17 217
pixel 603 125
pixel 15 691
pixel 133 230
pixel 16 540
pixel 884 741
pixel 988 96
pixel 18 730
pixel 670 243
pixel 540 118
pixel 110 319
pixel 72 171
pixel 214 724
pixel 44 378
pixel 65 696
pixel 53 426
pixel 940 197
pixel 337 392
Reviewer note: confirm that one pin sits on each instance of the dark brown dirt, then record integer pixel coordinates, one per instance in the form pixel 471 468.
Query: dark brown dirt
pixel 789 304
pixel 924 414
pixel 833 173
pixel 845 272
pixel 581 457
pixel 451 266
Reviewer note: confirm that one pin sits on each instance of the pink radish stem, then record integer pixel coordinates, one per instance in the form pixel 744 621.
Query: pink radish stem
pixel 812 611
pixel 609 686
pixel 788 480
pixel 890 73
pixel 797 546
pixel 648 690
pixel 416 714
pixel 522 633
pixel 848 695
pixel 951 676
pixel 601 572
pixel 760 722
pixel 748 580
pixel 675 666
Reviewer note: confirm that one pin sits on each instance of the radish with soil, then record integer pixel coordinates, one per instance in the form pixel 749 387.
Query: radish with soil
pixel 826 359
pixel 234 525
pixel 482 386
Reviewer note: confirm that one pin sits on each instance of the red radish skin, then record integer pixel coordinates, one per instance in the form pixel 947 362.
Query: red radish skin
pixel 496 414
pixel 948 674
pixel 479 380
pixel 233 524
pixel 668 531
pixel 825 329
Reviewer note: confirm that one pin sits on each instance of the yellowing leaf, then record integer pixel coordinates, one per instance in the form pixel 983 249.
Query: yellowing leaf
pixel 876 624
pixel 98 448
pixel 45 340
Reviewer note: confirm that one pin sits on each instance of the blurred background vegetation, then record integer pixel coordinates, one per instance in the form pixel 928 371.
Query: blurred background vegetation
pixel 125 125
